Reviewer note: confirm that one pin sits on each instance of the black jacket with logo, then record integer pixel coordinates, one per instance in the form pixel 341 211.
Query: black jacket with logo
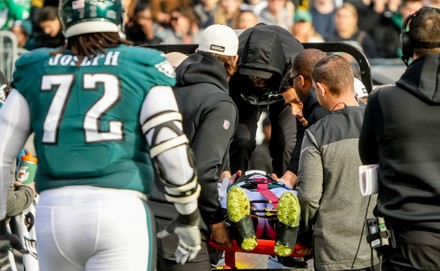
pixel 401 132
pixel 209 121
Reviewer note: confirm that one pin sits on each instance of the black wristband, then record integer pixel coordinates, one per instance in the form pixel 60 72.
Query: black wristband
pixel 189 220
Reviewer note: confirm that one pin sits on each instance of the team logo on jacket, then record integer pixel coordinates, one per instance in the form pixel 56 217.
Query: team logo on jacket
pixel 226 124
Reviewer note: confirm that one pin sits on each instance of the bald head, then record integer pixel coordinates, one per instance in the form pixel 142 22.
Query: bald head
pixel 175 58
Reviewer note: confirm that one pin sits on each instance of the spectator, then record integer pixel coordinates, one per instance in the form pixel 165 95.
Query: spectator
pixel 205 10
pixel 388 33
pixel 52 35
pixel 11 11
pixel 184 28
pixel 161 10
pixel 347 30
pixel 278 12
pixel 141 28
pixel 406 149
pixel 370 12
pixel 246 19
pixel 209 121
pixel 333 210
pixel 130 9
pixel 23 32
pixel 323 16
pixel 227 12
pixel 253 5
pixel 303 28
pixel 302 91
pixel 109 124
pixel 265 54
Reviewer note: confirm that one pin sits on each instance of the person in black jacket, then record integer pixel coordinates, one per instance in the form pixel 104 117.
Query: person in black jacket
pixel 209 121
pixel 406 147
pixel 265 57
pixel 302 92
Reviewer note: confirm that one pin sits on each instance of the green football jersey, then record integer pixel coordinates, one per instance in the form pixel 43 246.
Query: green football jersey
pixel 86 120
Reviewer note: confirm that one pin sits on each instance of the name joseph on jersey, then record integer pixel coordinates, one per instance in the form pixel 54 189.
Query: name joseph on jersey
pixel 109 59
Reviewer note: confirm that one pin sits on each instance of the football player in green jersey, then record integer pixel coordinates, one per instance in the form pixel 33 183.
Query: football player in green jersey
pixel 106 123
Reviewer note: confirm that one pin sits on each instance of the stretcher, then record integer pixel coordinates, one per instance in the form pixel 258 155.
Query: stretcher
pixel 264 247
pixel 259 183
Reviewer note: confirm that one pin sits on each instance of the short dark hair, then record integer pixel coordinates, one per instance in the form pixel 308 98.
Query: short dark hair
pixel 336 72
pixel 306 60
pixel 48 13
pixel 425 27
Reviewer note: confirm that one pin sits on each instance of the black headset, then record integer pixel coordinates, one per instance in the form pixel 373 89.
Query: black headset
pixel 405 39
pixel 408 42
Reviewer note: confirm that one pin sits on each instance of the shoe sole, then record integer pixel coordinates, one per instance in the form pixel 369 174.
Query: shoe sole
pixel 289 210
pixel 288 215
pixel 239 210
pixel 238 204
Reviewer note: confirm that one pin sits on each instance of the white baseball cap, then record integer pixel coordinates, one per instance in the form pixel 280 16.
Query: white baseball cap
pixel 360 91
pixel 219 39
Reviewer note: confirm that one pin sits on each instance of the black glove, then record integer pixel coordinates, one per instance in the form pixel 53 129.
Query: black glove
pixel 8 240
pixel 187 229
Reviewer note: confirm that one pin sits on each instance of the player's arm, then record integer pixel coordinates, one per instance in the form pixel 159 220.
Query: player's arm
pixel 162 126
pixel 15 129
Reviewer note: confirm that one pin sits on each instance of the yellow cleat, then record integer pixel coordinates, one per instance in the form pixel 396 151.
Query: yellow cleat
pixel 289 215
pixel 239 212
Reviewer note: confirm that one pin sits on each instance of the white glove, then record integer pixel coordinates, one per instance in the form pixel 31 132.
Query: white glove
pixel 189 236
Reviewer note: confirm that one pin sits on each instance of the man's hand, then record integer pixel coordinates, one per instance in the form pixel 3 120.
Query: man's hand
pixel 289 178
pixel 31 186
pixel 236 175
pixel 220 235
pixel 8 240
pixel 187 229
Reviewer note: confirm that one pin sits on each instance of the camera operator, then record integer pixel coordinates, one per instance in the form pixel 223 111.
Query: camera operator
pixel 406 146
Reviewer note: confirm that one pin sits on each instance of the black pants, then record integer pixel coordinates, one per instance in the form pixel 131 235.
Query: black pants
pixel 166 247
pixel 415 250
pixel 283 136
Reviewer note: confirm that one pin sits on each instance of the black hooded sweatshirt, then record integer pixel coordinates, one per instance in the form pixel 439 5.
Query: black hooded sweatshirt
pixel 268 48
pixel 209 121
pixel 401 132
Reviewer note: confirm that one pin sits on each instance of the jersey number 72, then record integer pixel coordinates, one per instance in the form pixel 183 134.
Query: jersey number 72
pixel 64 84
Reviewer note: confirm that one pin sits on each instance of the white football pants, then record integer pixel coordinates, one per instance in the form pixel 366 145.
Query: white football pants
pixel 85 228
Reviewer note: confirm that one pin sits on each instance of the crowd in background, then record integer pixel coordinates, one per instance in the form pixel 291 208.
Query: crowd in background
pixel 372 25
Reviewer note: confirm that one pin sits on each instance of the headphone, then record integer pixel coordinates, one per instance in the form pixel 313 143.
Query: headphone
pixel 407 42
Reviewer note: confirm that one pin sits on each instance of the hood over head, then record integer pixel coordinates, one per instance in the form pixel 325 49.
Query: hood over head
pixel 422 78
pixel 201 67
pixel 266 51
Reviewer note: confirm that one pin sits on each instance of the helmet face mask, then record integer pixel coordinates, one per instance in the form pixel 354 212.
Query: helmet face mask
pixel 90 16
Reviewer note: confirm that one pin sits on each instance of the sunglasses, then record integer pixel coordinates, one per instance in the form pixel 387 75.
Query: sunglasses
pixel 290 81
